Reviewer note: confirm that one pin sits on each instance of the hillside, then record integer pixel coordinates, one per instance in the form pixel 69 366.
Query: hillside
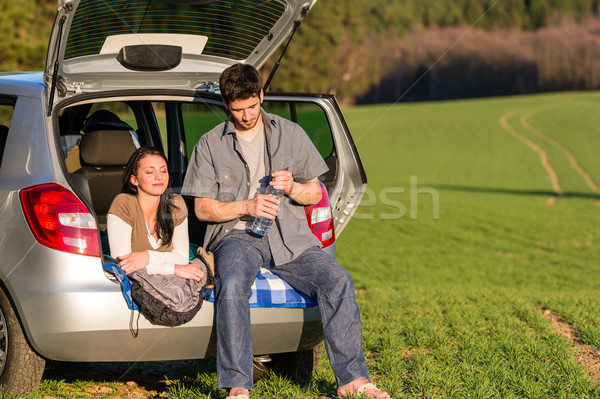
pixel 26 25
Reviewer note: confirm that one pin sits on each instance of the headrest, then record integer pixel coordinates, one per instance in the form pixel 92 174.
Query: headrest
pixel 104 120
pixel 106 148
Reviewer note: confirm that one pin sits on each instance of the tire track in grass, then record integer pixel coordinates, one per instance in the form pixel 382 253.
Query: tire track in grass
pixel 541 152
pixel 568 152
pixel 586 355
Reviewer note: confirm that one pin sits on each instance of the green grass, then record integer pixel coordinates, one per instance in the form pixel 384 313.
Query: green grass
pixel 463 292
pixel 455 252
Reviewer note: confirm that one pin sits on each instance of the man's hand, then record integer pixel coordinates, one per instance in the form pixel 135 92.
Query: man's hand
pixel 189 271
pixel 264 205
pixel 282 180
pixel 134 261
pixel 212 210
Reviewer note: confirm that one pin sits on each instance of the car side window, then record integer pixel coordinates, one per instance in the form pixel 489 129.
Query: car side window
pixel 312 119
pixel 6 112
pixel 161 120
pixel 199 118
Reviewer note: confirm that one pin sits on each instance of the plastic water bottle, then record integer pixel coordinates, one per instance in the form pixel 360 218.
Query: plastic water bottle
pixel 262 224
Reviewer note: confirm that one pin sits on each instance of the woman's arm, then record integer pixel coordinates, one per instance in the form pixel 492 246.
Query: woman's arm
pixel 119 236
pixel 179 257
pixel 164 262
pixel 155 262
pixel 119 240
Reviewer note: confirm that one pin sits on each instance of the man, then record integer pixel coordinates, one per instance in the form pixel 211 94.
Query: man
pixel 228 172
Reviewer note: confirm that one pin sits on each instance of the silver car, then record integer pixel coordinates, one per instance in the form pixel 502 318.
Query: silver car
pixel 119 74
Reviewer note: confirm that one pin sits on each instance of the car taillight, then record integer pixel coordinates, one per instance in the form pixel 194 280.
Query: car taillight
pixel 59 220
pixel 320 219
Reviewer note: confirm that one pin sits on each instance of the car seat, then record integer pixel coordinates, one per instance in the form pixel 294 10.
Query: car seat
pixel 104 155
pixel 106 120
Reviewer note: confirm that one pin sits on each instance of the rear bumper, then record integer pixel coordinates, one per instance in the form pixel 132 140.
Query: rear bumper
pixel 72 311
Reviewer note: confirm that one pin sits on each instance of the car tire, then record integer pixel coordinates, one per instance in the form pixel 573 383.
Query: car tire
pixel 21 368
pixel 296 365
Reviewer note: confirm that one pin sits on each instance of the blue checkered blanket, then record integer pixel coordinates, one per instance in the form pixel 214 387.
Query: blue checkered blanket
pixel 268 291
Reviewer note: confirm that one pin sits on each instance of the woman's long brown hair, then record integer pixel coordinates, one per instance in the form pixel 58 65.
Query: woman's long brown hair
pixel 164 214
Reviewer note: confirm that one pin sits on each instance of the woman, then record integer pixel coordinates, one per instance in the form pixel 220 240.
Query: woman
pixel 147 224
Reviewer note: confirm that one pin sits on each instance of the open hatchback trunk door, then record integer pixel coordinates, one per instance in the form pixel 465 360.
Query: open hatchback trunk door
pixel 177 44
pixel 182 46
pixel 322 119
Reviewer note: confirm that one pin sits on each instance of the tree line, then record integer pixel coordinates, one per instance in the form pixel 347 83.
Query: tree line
pixel 392 50
pixel 414 50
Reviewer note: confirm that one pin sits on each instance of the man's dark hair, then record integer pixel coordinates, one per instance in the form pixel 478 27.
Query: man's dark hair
pixel 239 82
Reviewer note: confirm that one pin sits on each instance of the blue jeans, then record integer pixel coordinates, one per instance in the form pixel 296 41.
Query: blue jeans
pixel 238 258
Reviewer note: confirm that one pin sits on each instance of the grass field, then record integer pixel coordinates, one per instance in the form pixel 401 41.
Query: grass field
pixel 467 288
pixel 459 247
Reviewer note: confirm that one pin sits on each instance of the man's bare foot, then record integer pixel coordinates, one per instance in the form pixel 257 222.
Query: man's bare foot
pixel 238 393
pixel 362 387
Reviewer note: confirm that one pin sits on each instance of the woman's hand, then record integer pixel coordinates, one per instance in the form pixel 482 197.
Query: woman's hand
pixel 189 271
pixel 134 261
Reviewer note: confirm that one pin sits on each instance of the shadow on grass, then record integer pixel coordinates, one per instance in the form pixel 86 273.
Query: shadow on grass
pixel 508 191
pixel 151 376
pixel 154 379
pixel 321 385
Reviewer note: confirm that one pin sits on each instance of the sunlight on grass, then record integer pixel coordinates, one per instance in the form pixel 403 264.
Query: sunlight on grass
pixel 451 303
pixel 460 295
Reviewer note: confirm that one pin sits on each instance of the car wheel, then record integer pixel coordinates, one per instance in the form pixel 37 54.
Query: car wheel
pixel 21 368
pixel 296 365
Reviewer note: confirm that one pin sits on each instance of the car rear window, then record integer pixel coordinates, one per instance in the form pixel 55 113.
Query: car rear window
pixel 233 28
pixel 199 118
pixel 312 119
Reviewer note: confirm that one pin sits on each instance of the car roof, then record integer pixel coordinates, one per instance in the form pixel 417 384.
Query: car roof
pixel 30 84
